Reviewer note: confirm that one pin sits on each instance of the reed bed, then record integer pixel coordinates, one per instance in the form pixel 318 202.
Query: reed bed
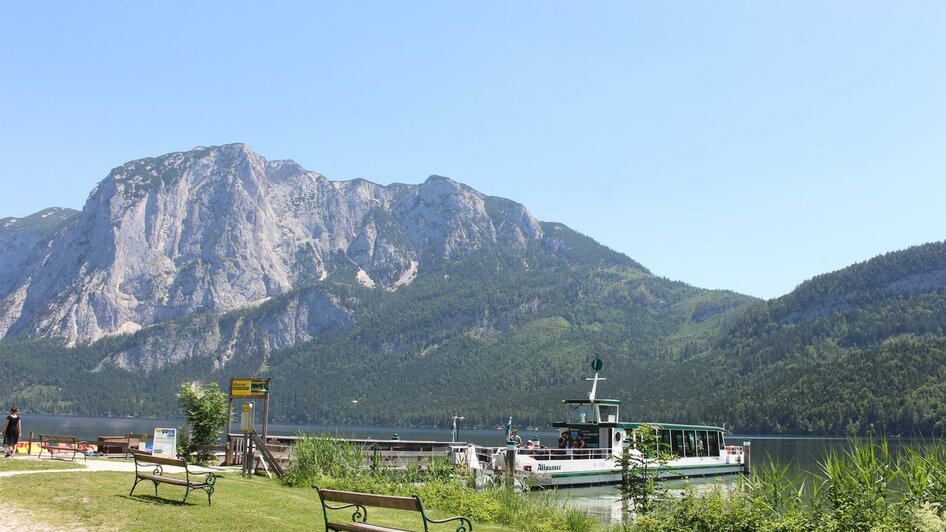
pixel 339 464
pixel 863 488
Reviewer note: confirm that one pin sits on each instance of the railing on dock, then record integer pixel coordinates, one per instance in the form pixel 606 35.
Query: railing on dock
pixel 395 454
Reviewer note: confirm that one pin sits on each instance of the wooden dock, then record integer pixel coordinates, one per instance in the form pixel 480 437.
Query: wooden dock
pixel 394 454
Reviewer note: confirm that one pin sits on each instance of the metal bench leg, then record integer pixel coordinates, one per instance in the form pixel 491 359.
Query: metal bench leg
pixel 137 480
pixel 155 488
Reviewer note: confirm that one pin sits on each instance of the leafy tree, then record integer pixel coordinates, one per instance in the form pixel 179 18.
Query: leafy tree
pixel 205 408
pixel 640 465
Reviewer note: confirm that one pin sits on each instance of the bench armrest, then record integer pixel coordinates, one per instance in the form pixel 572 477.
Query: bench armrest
pixel 210 479
pixel 464 526
pixel 360 515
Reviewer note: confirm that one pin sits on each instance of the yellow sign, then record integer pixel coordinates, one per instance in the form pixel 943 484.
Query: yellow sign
pixel 240 387
pixel 249 387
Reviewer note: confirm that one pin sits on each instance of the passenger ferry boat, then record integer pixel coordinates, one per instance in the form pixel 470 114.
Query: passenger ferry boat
pixel 696 450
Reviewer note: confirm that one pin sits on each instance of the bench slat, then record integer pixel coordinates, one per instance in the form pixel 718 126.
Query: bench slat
pixel 167 480
pixel 161 460
pixel 362 527
pixel 370 499
pixel 57 439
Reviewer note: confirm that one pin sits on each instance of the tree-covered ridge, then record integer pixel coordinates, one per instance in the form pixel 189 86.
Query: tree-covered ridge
pixel 501 332
pixel 494 332
pixel 911 271
pixel 856 350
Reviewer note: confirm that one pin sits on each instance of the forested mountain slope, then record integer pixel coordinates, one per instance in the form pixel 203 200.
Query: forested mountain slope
pixel 858 350
pixel 414 300
pixel 400 304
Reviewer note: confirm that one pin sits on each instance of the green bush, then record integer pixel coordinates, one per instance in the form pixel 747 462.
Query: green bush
pixel 205 409
pixel 332 463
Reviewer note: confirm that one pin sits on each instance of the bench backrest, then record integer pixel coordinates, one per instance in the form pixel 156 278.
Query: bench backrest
pixel 370 499
pixel 160 460
pixel 52 438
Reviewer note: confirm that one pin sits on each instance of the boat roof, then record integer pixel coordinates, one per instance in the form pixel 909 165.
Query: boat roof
pixel 631 425
pixel 589 401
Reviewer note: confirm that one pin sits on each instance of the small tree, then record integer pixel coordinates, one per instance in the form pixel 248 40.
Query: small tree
pixel 205 409
pixel 640 466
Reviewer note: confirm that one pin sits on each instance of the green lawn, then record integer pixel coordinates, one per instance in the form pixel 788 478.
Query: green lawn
pixel 100 501
pixel 32 464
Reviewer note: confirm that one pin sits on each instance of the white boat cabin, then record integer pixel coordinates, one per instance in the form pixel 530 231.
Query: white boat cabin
pixel 598 423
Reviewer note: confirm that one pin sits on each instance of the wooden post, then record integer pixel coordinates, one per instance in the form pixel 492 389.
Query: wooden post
pixel 248 461
pixel 228 457
pixel 265 415
pixel 511 463
pixel 746 457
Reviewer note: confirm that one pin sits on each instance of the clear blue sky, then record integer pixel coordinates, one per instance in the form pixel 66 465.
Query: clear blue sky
pixel 738 145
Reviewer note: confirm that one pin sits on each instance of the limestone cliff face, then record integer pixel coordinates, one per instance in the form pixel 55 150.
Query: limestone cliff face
pixel 218 229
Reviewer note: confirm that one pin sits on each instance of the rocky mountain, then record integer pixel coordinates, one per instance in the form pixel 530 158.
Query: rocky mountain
pixel 399 304
pixel 218 229
pixel 216 263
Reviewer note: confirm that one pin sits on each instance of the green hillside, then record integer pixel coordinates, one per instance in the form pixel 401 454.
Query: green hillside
pixel 858 350
pixel 493 332
pixel 499 334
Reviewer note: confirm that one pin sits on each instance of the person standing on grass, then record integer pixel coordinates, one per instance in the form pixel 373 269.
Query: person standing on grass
pixel 11 431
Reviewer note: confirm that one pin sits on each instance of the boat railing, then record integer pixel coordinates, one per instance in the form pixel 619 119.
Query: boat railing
pixel 484 454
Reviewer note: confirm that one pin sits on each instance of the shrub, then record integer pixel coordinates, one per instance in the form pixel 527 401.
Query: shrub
pixel 205 409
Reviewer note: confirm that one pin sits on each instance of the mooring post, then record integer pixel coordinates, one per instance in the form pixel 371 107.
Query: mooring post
pixel 746 457
pixel 511 463
pixel 625 460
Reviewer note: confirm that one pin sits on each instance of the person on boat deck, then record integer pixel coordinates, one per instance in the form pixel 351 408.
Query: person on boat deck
pixel 564 442
pixel 530 444
pixel 516 438
pixel 580 443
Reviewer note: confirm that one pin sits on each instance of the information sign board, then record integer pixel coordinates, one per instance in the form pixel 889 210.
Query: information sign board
pixel 249 387
pixel 165 443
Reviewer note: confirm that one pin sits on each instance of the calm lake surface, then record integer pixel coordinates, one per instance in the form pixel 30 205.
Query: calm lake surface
pixel 801 454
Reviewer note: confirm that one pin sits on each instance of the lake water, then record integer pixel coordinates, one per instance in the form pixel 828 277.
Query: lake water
pixel 801 454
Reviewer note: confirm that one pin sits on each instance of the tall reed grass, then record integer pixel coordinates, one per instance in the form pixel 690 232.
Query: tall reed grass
pixel 339 464
pixel 866 487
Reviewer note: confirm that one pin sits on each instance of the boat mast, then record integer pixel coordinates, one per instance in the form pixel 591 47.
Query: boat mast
pixel 596 365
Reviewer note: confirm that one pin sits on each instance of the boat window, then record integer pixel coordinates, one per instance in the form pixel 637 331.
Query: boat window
pixel 665 445
pixel 677 442
pixel 702 443
pixel 609 413
pixel 581 413
pixel 690 443
pixel 714 443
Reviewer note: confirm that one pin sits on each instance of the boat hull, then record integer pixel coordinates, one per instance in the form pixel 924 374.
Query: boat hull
pixel 562 473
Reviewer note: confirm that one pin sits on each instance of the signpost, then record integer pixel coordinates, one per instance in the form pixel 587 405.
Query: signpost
pixel 248 389
pixel 165 443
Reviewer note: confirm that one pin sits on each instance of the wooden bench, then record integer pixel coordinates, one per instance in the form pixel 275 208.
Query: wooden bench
pixel 359 517
pixel 121 444
pixel 61 444
pixel 157 475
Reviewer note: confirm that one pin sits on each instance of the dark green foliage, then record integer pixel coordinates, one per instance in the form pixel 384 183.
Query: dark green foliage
pixel 205 409
pixel 337 464
pixel 500 333
pixel 857 351
pixel 640 464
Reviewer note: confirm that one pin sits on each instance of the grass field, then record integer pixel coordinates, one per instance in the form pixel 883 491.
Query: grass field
pixel 100 501
pixel 14 464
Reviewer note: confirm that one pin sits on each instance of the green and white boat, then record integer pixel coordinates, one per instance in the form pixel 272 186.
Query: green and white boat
pixel 696 450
